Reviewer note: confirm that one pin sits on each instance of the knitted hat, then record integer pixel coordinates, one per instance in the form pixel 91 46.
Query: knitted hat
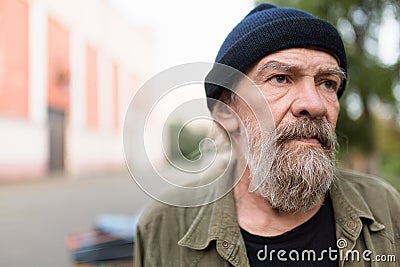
pixel 267 29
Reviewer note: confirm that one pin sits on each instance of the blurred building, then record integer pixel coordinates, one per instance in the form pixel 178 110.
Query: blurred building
pixel 68 69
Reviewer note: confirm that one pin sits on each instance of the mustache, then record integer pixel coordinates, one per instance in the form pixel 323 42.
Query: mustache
pixel 307 128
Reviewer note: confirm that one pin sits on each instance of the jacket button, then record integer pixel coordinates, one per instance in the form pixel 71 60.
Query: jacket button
pixel 225 244
pixel 352 225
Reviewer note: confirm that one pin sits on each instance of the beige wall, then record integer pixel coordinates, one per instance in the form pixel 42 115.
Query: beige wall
pixel 131 46
pixel 122 50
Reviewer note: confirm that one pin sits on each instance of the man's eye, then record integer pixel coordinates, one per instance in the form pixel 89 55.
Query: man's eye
pixel 280 79
pixel 330 85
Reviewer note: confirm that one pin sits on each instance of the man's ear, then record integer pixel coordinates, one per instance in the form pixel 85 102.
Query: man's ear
pixel 226 116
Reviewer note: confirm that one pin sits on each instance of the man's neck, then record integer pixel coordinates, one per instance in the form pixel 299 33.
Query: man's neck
pixel 256 216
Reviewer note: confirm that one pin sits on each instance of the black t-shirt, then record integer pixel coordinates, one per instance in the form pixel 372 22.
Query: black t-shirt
pixel 311 244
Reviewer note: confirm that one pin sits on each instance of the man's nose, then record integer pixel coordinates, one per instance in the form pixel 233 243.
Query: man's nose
pixel 308 101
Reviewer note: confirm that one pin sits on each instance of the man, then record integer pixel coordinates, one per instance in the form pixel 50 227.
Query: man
pixel 299 210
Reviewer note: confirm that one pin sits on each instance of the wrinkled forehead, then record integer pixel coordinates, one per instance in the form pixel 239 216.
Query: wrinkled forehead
pixel 301 59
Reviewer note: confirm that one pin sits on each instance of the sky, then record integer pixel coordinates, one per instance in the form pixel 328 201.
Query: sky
pixel 191 31
pixel 389 38
pixel 185 30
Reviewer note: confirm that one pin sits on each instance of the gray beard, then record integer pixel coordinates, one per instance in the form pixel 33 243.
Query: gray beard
pixel 296 176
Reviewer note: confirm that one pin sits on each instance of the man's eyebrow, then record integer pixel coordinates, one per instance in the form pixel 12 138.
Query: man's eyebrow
pixel 279 66
pixel 333 71
pixel 272 66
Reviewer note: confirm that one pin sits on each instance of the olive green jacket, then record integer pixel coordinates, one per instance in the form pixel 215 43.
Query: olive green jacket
pixel 367 218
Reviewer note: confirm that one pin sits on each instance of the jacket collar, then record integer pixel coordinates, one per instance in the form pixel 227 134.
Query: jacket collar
pixel 350 208
pixel 217 222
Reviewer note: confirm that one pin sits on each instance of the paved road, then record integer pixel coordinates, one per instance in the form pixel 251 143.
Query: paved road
pixel 36 217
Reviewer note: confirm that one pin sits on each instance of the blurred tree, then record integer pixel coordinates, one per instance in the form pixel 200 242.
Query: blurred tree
pixel 374 77
pixel 389 144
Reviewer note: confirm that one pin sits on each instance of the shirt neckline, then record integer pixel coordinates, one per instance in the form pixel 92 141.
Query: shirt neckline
pixel 293 233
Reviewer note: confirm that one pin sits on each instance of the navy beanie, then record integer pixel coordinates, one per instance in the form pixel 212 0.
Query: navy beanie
pixel 267 29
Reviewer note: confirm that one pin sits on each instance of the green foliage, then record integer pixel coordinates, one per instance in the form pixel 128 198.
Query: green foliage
pixel 359 22
pixel 389 144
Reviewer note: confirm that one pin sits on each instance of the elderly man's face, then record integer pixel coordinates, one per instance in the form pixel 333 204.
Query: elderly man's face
pixel 298 83
pixel 300 86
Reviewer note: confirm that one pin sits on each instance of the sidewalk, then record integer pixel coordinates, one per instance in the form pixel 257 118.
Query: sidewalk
pixel 36 217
